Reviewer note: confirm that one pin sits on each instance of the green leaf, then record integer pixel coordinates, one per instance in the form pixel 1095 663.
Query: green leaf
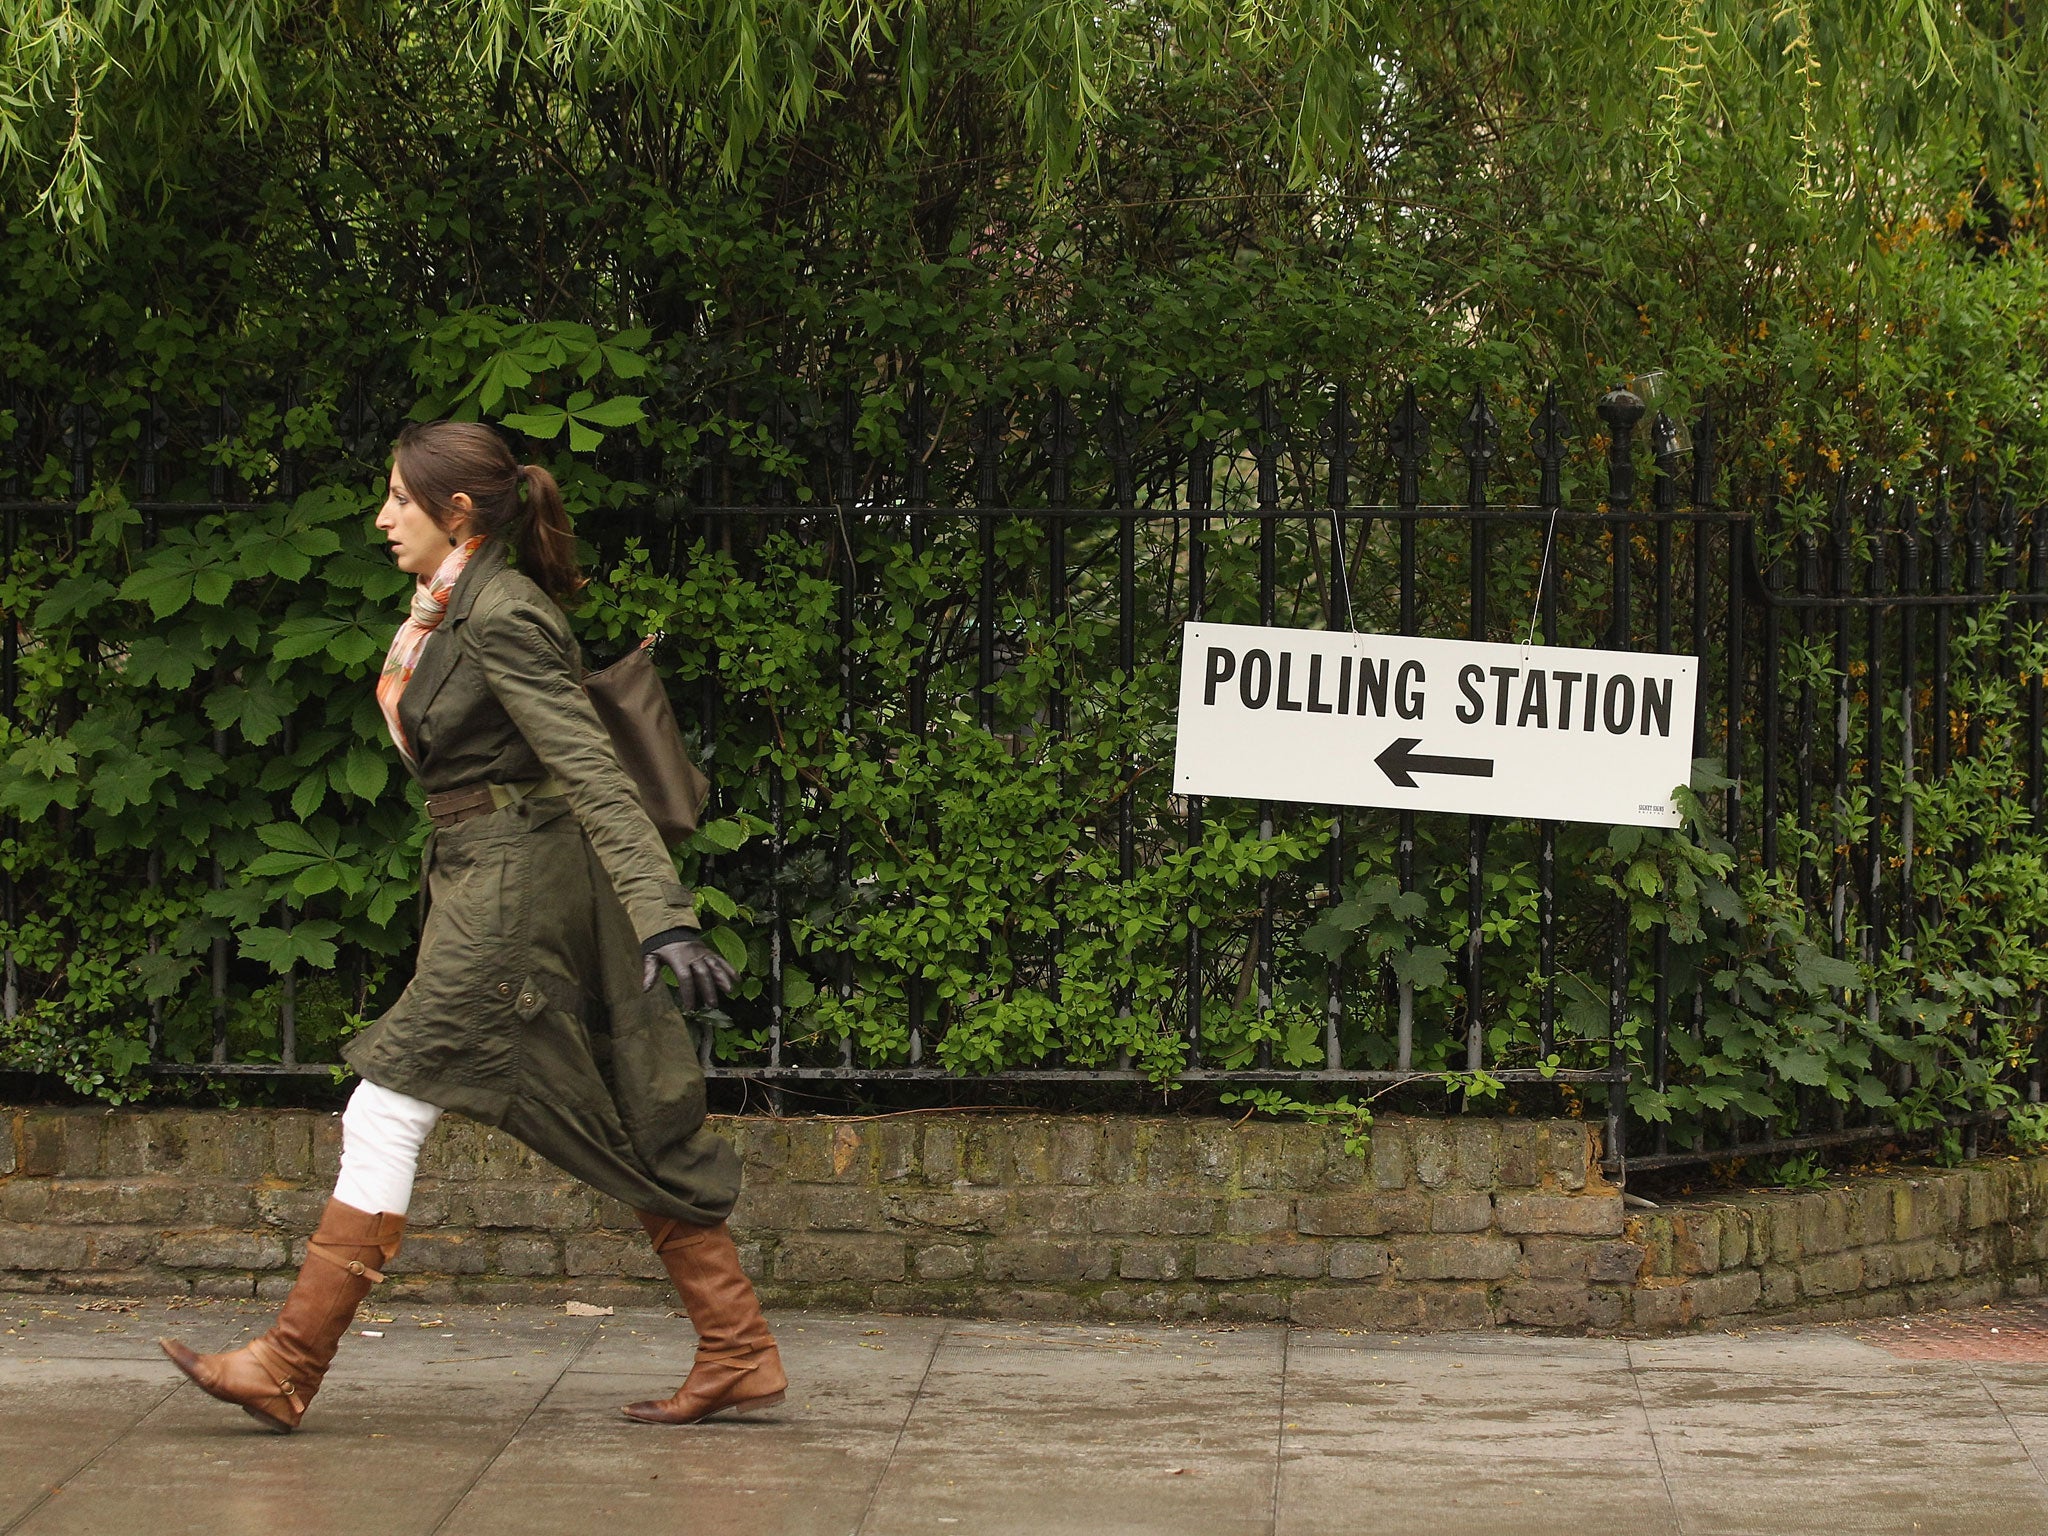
pixel 310 794
pixel 72 598
pixel 729 944
pixel 1816 972
pixel 308 942
pixel 727 835
pixel 544 421
pixel 256 709
pixel 619 411
pixel 1424 967
pixel 366 772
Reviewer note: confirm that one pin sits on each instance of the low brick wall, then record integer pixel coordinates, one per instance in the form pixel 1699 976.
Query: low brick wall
pixel 1461 1223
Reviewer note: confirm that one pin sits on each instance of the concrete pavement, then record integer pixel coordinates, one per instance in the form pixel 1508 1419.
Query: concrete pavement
pixel 502 1421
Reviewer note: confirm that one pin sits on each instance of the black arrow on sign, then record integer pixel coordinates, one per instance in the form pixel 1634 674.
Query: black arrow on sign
pixel 1401 762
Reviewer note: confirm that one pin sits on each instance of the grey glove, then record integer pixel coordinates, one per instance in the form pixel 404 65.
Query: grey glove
pixel 701 972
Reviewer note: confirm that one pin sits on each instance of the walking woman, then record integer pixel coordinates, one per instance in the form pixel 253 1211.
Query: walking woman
pixel 551 906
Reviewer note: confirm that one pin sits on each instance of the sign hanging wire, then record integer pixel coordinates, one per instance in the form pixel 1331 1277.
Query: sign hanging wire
pixel 1542 576
pixel 1343 565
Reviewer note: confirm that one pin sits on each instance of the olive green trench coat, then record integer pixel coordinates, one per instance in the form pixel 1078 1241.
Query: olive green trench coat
pixel 525 1009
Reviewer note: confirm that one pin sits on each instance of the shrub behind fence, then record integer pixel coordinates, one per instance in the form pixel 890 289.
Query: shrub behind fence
pixel 928 647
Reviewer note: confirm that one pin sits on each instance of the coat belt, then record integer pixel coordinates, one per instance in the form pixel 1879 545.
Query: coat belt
pixel 480 799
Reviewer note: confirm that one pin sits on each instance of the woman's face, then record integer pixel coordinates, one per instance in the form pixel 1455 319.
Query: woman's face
pixel 418 544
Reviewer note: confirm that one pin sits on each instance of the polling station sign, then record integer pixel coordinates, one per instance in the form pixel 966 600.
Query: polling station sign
pixel 1532 731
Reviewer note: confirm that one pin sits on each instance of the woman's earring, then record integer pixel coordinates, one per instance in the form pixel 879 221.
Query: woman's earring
pixel 453 541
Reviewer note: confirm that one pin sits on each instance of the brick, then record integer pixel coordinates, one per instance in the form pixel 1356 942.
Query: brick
pixel 939 1153
pixel 444 1253
pixel 1257 1216
pixel 1245 1261
pixel 9 1155
pixel 1657 1309
pixel 1869 1216
pixel 1379 1309
pixel 1357 1261
pixel 23 1247
pixel 1347 1165
pixel 24 1200
pixel 1460 1213
pixel 1361 1215
pixel 121 1248
pixel 114 1200
pixel 81 1136
pixel 1211 1152
pixel 1153 1261
pixel 327 1147
pixel 1521 1154
pixel 1547 1304
pixel 126 1147
pixel 1570 1159
pixel 244 1147
pixel 831 1258
pixel 1778 1287
pixel 1451 1308
pixel 1026 1153
pixel 1588 1215
pixel 943 1261
pixel 838 1208
pixel 1390 1169
pixel 1025 1302
pixel 1737 1227
pixel 1429 1152
pixel 1254 1306
pixel 1455 1258
pixel 291 1146
pixel 39 1134
pixel 1823 1224
pixel 1049 1212
pixel 1557 1258
pixel 218 1203
pixel 895 1151
pixel 985 1147
pixel 965 1210
pixel 1878 1269
pixel 1615 1263
pixel 1475 1148
pixel 1984 1198
pixel 298 1210
pixel 1041 1259
pixel 1723 1295
pixel 1165 1215
pixel 1120 1160
pixel 1696 1242
pixel 536 1256
pixel 221 1250
pixel 1831 1275
pixel 551 1207
pixel 1270 1157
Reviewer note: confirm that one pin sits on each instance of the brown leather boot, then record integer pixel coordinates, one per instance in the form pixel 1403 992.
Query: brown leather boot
pixel 274 1377
pixel 738 1367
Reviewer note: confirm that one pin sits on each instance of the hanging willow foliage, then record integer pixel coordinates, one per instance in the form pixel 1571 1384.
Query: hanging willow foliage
pixel 1833 99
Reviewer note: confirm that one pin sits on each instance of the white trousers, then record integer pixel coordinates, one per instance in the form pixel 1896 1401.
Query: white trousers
pixel 381 1136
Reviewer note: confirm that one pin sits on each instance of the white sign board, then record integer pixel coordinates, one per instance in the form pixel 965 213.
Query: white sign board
pixel 1434 725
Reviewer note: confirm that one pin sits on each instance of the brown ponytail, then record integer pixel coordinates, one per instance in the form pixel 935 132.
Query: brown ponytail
pixel 547 548
pixel 438 459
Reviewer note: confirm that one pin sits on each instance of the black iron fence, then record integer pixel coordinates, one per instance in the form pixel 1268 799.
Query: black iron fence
pixel 929 648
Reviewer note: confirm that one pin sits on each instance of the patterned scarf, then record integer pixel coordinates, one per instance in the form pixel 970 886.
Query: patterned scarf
pixel 429 607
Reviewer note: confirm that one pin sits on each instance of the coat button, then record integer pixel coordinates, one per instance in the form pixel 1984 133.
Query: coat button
pixel 504 989
pixel 526 999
